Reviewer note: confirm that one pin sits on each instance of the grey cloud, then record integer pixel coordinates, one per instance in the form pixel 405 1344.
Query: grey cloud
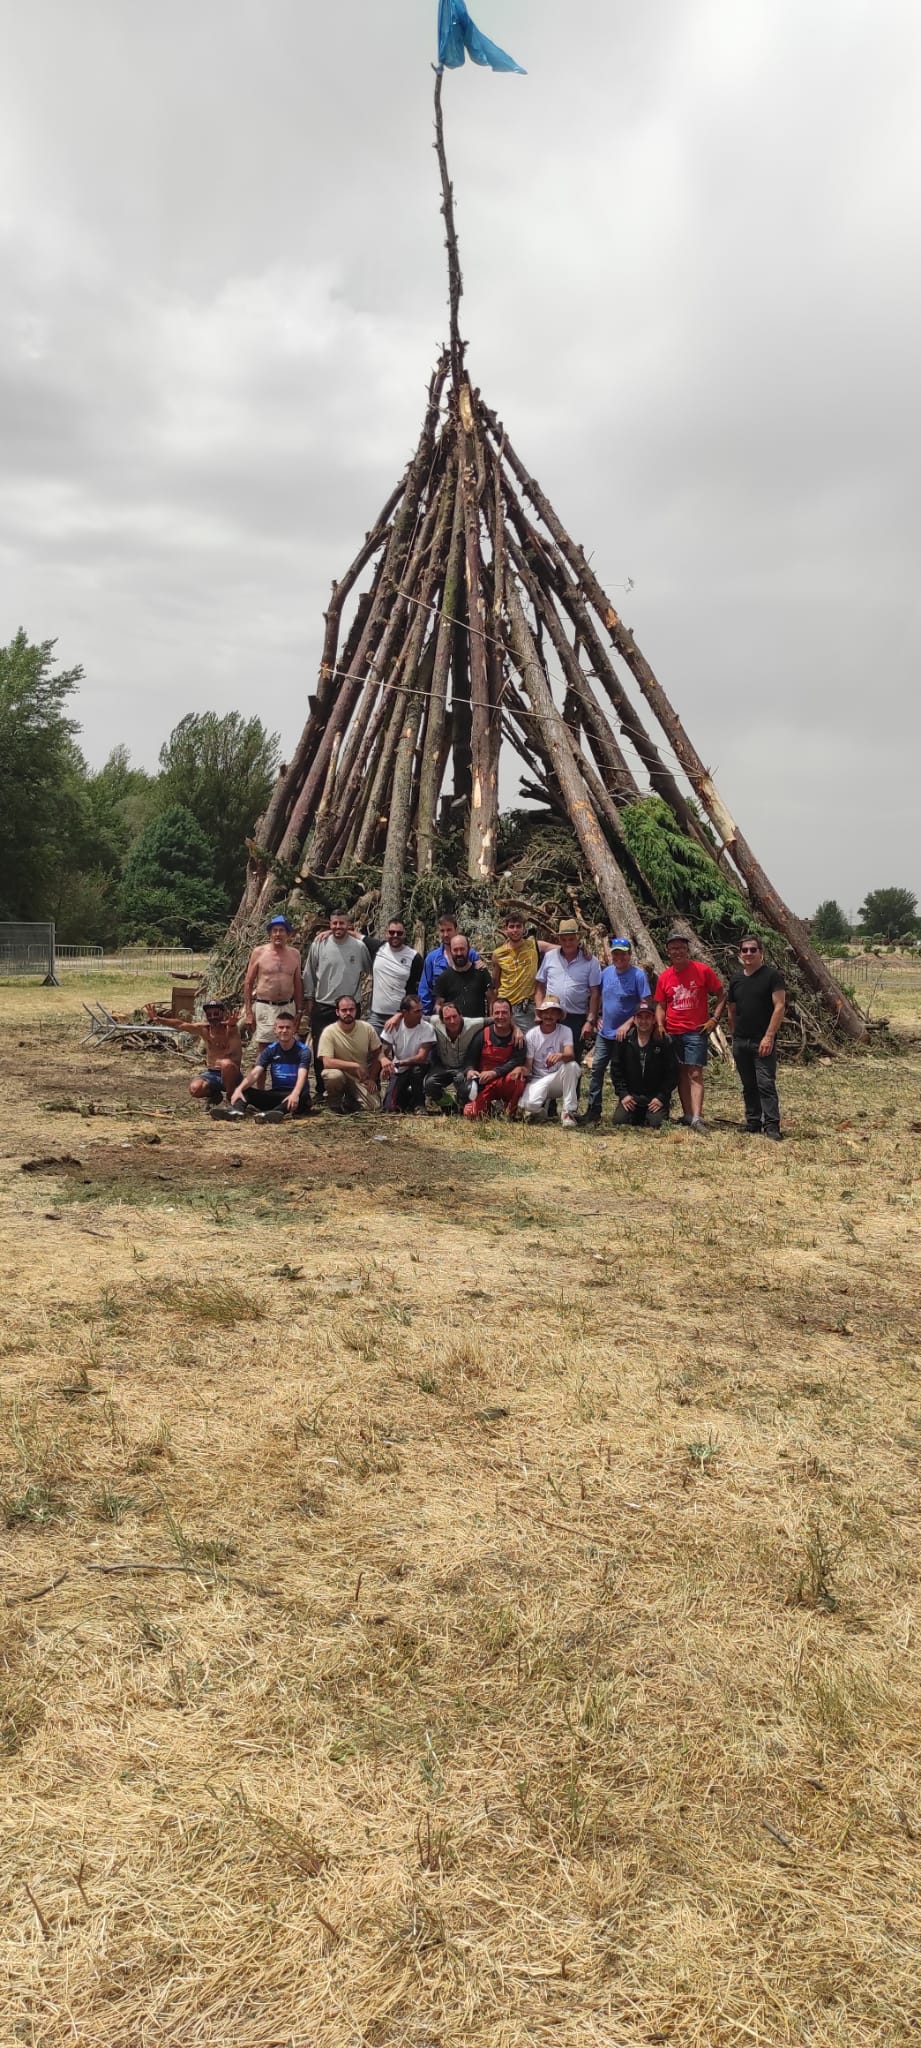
pixel 690 250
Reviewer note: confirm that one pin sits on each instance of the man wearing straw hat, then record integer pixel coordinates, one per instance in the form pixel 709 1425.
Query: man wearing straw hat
pixel 553 1067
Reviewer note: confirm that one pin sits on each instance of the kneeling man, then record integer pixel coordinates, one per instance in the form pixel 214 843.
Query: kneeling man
pixel 351 1056
pixel 407 1052
pixel 553 1066
pixel 644 1071
pixel 286 1061
pixel 446 1082
pixel 498 1064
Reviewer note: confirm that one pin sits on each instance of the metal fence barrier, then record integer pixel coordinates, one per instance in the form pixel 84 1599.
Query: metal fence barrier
pixel 150 960
pixel 78 956
pixel 28 949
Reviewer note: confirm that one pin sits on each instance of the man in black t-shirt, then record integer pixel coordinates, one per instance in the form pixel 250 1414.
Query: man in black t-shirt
pixel 757 1002
pixel 464 983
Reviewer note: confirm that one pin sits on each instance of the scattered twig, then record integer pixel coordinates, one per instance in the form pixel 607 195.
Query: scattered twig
pixel 20 1599
pixel 784 1840
pixel 39 1915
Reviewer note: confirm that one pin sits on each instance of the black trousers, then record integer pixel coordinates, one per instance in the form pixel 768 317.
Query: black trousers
pixel 440 1080
pixel 642 1117
pixel 275 1098
pixel 321 1015
pixel 406 1090
pixel 757 1073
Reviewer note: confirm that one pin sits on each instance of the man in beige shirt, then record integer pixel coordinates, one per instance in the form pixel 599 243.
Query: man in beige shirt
pixel 351 1055
pixel 273 986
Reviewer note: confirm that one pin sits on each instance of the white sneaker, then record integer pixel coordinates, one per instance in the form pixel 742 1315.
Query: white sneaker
pixel 569 1123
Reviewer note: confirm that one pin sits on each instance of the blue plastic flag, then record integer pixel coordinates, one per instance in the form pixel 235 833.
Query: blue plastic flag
pixel 459 38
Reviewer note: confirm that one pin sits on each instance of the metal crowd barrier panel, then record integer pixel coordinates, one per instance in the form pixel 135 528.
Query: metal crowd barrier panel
pixel 151 960
pixel 78 956
pixel 28 949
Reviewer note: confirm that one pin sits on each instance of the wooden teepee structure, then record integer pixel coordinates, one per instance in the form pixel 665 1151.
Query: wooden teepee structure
pixel 483 624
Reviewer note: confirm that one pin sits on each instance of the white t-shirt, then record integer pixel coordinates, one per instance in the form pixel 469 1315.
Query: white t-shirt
pixel 404 1042
pixel 389 977
pixel 539 1043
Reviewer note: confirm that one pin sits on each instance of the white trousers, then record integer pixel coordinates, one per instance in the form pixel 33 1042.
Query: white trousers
pixel 564 1081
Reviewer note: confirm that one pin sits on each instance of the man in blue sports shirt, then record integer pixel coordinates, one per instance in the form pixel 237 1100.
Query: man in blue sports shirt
pixel 287 1093
pixel 623 987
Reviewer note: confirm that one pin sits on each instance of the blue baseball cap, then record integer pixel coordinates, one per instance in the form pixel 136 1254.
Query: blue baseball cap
pixel 274 921
pixel 621 946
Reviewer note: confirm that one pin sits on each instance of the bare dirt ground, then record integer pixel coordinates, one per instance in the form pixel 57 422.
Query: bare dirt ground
pixel 462 1591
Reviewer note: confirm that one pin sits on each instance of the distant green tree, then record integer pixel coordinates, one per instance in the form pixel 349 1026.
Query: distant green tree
pixel 122 801
pixel 889 914
pixel 168 892
pixel 830 922
pixel 43 818
pixel 222 770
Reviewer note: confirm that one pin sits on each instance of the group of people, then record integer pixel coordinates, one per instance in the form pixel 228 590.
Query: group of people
pixel 453 1033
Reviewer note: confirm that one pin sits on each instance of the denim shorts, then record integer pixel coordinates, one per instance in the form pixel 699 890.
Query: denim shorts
pixel 213 1077
pixel 692 1048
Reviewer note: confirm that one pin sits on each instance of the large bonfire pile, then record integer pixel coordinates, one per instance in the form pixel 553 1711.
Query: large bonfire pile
pixel 481 624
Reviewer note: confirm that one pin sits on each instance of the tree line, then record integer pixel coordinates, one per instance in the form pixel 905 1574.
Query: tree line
pixel 116 854
pixel 887 917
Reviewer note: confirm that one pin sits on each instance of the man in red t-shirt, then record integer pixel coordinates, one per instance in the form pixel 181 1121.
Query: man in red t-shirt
pixel 683 994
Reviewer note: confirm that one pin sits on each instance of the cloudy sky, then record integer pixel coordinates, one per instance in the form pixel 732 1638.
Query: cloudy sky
pixel 691 250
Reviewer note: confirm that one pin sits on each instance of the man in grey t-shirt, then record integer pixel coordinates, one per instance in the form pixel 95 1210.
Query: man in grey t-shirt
pixel 335 966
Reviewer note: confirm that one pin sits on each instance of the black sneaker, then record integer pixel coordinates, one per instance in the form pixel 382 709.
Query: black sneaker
pixel 588 1116
pixel 270 1116
pixel 226 1116
pixel 776 1137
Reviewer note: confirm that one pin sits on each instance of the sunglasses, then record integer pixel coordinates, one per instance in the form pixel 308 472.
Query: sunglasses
pixel 749 949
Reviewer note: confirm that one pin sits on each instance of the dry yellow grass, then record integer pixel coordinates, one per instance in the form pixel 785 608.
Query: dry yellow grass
pixel 459 1592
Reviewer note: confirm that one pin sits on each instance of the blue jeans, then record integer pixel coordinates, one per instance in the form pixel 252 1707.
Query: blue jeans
pixel 604 1047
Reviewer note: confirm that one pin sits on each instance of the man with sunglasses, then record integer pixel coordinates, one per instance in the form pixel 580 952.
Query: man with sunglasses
pixel 757 1005
pixel 395 972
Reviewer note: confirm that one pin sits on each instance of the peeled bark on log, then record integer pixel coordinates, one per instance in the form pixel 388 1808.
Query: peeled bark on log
pixel 460 712
pixel 484 796
pixel 401 795
pixel 763 895
pixel 609 881
pixel 375 810
pixel 433 753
